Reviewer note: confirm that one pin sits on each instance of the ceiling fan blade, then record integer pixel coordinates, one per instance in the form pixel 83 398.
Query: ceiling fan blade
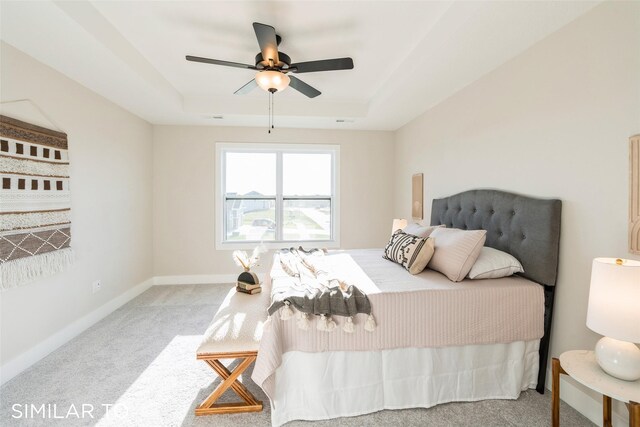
pixel 323 65
pixel 246 88
pixel 266 36
pixel 218 62
pixel 303 88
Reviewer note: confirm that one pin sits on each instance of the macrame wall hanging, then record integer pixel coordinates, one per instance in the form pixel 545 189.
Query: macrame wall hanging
pixel 35 203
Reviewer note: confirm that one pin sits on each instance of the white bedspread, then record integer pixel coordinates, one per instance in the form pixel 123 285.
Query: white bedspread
pixel 421 311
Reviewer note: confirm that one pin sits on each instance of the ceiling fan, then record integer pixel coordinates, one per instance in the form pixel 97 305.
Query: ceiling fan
pixel 273 67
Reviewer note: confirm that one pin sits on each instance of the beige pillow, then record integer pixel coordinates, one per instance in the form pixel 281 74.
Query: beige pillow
pixel 420 230
pixel 456 251
pixel 411 252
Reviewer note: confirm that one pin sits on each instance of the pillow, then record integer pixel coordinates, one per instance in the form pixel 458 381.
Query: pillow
pixel 411 252
pixel 493 264
pixel 456 251
pixel 420 230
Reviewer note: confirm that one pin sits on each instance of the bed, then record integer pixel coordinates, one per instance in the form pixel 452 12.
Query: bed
pixel 436 341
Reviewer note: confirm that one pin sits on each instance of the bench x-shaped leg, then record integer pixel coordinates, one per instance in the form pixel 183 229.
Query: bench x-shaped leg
pixel 229 379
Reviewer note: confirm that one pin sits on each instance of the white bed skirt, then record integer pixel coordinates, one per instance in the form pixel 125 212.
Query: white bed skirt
pixel 318 386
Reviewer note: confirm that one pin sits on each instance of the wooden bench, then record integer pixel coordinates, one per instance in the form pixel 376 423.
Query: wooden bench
pixel 234 333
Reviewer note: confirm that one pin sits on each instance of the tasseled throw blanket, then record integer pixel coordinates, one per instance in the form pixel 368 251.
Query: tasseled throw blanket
pixel 313 290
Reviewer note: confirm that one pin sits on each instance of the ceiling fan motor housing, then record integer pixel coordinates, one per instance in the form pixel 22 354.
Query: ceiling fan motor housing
pixel 285 61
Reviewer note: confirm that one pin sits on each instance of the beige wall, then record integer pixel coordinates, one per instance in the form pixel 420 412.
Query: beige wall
pixel 184 179
pixel 553 122
pixel 110 153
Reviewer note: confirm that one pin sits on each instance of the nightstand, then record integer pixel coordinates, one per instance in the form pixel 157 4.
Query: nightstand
pixel 581 365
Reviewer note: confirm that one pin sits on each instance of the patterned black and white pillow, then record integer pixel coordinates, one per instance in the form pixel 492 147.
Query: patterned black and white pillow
pixel 411 252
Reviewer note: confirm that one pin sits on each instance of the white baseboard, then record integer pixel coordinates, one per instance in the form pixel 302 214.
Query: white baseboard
pixel 39 351
pixel 195 279
pixel 573 395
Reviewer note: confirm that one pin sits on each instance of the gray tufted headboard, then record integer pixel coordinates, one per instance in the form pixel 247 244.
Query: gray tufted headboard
pixel 527 228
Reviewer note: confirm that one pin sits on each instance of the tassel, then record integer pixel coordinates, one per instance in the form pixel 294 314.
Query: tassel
pixel 303 321
pixel 348 326
pixel 331 325
pixel 286 313
pixel 322 323
pixel 21 271
pixel 370 324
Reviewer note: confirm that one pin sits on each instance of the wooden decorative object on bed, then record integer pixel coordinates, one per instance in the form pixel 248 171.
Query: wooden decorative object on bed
pixel 417 211
pixel 634 194
pixel 35 213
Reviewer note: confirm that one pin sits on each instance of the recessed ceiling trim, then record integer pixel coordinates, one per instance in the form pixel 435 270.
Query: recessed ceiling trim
pixel 132 53
pixel 83 13
pixel 289 107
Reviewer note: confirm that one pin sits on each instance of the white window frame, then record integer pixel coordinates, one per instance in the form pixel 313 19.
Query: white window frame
pixel 279 149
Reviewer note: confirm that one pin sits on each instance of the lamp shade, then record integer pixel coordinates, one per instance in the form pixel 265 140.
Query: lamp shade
pixel 614 299
pixel 272 80
pixel 398 224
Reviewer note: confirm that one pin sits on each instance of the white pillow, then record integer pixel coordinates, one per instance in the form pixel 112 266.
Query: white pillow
pixel 493 264
pixel 456 251
pixel 420 230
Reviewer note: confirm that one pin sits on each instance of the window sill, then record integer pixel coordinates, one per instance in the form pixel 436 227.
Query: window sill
pixel 231 246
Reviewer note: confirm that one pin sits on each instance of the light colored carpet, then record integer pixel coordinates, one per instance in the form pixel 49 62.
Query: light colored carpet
pixel 141 359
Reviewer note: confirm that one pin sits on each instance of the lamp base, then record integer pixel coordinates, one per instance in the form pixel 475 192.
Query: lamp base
pixel 619 359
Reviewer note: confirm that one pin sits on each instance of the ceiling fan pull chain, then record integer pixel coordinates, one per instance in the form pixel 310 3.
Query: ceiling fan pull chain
pixel 269 125
pixel 270 110
pixel 273 111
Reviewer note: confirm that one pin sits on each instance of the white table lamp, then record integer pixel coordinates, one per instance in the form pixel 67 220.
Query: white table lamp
pixel 614 311
pixel 398 224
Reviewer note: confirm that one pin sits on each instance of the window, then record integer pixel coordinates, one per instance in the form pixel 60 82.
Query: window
pixel 276 194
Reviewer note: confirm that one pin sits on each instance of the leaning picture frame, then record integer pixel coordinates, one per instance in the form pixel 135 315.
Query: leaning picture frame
pixel 634 194
pixel 417 211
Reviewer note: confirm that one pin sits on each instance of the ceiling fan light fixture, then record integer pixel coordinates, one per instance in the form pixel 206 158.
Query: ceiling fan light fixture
pixel 271 80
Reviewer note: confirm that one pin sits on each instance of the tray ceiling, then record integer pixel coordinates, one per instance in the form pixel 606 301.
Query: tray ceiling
pixel 408 55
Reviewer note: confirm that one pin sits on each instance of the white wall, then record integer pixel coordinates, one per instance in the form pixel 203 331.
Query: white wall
pixel 553 122
pixel 111 166
pixel 184 183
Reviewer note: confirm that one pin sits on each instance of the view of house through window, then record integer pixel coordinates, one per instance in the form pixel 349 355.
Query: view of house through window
pixel 284 194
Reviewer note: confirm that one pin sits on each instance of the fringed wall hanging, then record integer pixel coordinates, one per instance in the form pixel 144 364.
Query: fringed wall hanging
pixel 35 203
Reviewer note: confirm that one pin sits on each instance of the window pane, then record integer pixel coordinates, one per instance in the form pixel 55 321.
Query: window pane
pixel 250 174
pixel 306 174
pixel 307 220
pixel 250 220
